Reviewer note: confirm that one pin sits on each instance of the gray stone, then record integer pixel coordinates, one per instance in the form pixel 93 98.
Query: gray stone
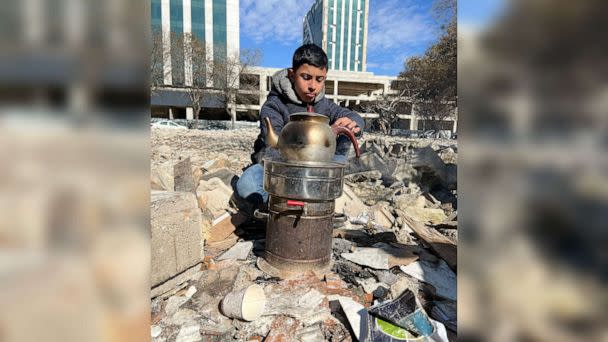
pixel 183 178
pixel 437 274
pixel 161 177
pixel 177 240
pixel 370 257
pixel 240 251
pixel 214 196
pixel 224 174
pixel 340 246
pixel 173 304
pixel 386 277
pixel 370 284
pixel 189 333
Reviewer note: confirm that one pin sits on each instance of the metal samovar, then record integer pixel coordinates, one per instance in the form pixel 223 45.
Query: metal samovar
pixel 302 186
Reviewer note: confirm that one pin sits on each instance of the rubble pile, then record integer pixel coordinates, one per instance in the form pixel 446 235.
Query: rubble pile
pixel 394 246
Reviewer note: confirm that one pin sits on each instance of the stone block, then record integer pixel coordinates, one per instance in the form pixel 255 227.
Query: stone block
pixel 214 196
pixel 177 240
pixel 182 176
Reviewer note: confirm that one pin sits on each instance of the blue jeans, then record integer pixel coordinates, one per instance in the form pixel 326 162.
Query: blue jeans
pixel 251 183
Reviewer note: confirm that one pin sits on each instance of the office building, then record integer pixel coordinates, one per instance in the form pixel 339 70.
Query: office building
pixel 340 28
pixel 215 23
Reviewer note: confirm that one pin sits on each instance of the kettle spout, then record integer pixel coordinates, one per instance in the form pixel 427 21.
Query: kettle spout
pixel 272 139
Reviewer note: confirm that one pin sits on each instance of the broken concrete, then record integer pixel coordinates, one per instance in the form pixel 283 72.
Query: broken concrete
pixel 224 174
pixel 214 196
pixel 240 251
pixel 437 274
pixel 177 240
pixel 385 193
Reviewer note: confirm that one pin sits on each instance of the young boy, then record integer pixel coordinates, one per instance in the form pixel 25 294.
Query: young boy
pixel 294 90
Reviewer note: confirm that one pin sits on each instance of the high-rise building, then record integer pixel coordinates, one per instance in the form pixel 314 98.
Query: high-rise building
pixel 340 28
pixel 215 23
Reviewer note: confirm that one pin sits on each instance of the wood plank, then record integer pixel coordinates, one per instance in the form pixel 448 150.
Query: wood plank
pixel 439 243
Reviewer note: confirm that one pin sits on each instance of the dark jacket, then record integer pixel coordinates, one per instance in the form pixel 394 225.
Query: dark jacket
pixel 282 101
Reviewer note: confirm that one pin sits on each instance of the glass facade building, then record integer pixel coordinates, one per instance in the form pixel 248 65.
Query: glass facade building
pixel 214 23
pixel 340 28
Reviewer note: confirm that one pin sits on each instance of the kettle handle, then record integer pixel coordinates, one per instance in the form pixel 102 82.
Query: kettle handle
pixel 343 130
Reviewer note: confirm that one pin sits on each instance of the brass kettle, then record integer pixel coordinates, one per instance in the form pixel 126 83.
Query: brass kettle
pixel 307 137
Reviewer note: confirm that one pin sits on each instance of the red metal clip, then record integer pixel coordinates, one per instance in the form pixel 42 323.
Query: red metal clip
pixel 292 203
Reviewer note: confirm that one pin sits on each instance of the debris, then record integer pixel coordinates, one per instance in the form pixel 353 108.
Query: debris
pixel 437 274
pixel 356 315
pixel 368 256
pixel 224 174
pixel 221 228
pixel 155 331
pixel 161 176
pixel 439 243
pixel 425 215
pixel 386 277
pixel 382 216
pixel 191 291
pixel 312 333
pixel 349 203
pixel 189 333
pixel 175 284
pixel 173 304
pixel 370 284
pixel 400 191
pixel 219 162
pixel 340 246
pixel 182 316
pixel 246 304
pixel 445 312
pixel 283 329
pixel 177 241
pixel 240 251
pixel 365 176
pixel 214 195
pixel 406 312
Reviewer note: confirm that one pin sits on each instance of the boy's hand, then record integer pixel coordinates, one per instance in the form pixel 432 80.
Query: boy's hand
pixel 348 123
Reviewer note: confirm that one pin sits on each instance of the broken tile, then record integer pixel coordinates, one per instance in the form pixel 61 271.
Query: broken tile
pixel 240 251
pixel 437 274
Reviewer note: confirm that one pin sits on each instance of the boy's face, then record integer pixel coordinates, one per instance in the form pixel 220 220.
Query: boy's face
pixel 308 81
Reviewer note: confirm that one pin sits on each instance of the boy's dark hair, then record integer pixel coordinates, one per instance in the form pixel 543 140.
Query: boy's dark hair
pixel 309 54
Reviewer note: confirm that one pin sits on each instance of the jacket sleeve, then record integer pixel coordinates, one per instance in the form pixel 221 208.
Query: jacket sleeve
pixel 336 112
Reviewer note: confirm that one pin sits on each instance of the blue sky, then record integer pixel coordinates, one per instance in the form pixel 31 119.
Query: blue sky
pixel 398 29
pixel 477 14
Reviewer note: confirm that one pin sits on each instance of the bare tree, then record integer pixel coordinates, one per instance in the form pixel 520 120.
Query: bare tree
pixel 201 75
pixel 230 76
pixel 388 107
